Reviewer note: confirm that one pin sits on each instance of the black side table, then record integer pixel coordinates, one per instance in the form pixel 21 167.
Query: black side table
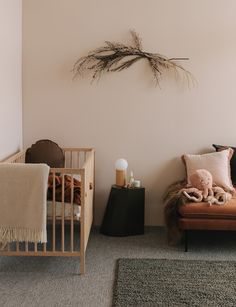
pixel 124 215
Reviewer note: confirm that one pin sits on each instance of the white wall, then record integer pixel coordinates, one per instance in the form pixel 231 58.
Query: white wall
pixel 10 77
pixel 124 115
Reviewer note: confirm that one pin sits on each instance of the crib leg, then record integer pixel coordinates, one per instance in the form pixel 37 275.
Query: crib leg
pixel 82 264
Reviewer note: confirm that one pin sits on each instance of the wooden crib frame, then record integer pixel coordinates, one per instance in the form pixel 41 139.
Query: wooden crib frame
pixel 74 158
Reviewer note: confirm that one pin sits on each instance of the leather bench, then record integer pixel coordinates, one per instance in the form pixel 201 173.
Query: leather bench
pixel 202 216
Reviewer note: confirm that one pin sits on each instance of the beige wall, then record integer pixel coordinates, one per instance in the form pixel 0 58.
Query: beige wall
pixel 10 77
pixel 124 115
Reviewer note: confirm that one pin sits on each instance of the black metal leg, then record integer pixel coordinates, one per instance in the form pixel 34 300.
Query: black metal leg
pixel 186 240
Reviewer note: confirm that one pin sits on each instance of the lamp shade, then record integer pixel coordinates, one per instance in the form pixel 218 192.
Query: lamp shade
pixel 121 164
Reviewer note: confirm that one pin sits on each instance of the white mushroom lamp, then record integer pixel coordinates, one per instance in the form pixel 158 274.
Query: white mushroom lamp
pixel 121 166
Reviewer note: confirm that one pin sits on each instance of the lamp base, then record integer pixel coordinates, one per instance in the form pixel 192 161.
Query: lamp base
pixel 120 178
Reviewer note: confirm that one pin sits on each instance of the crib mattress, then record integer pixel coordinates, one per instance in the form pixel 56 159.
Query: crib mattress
pixel 67 211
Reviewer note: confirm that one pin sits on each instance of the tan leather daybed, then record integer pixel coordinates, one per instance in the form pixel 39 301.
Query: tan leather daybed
pixel 201 216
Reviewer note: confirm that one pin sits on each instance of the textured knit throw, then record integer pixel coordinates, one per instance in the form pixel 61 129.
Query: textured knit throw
pixel 23 199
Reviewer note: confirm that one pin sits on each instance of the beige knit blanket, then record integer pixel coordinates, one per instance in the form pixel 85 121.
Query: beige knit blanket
pixel 23 200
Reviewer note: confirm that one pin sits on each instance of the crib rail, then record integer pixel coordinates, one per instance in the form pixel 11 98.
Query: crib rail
pixel 79 164
pixel 16 158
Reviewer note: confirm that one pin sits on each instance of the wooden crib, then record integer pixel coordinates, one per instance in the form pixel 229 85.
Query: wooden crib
pixel 69 234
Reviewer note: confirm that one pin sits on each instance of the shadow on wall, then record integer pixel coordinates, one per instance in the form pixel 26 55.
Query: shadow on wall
pixel 168 173
pixel 156 184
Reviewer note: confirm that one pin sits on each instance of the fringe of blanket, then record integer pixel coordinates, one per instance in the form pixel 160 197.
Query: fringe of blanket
pixel 12 234
pixel 172 201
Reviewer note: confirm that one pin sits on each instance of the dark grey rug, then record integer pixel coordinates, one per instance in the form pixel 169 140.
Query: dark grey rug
pixel 162 282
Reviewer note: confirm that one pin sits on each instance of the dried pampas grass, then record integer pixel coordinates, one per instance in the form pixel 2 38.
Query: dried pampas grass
pixel 117 56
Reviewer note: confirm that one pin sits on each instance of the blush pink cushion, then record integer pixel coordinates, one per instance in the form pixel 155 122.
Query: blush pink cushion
pixel 217 163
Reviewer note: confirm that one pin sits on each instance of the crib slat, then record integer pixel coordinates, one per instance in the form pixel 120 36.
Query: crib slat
pixel 53 215
pixel 63 215
pixel 78 161
pixel 26 246
pixel 35 247
pixel 8 247
pixel 71 162
pixel 72 215
pixel 17 246
pixel 44 247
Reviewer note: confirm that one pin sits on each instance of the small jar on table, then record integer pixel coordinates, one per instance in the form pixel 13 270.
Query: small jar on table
pixel 124 215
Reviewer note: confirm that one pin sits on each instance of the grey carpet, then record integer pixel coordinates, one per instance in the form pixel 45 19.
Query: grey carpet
pixel 163 282
pixel 49 281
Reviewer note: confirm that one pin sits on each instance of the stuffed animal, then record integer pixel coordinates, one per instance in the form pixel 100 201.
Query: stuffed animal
pixel 192 194
pixel 201 189
pixel 202 180
pixel 221 197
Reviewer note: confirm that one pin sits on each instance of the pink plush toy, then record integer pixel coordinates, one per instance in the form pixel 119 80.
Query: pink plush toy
pixel 201 189
pixel 202 180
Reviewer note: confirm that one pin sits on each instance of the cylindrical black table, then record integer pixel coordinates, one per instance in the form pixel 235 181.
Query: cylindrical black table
pixel 124 215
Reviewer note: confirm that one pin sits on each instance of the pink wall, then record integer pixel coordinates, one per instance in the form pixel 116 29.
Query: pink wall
pixel 124 115
pixel 10 77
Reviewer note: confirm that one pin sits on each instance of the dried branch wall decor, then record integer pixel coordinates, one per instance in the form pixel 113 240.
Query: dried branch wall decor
pixel 117 56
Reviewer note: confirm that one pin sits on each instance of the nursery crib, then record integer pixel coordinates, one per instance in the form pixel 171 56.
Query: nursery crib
pixel 68 225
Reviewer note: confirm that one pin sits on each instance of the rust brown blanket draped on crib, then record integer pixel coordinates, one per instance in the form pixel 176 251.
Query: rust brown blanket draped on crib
pixel 69 183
